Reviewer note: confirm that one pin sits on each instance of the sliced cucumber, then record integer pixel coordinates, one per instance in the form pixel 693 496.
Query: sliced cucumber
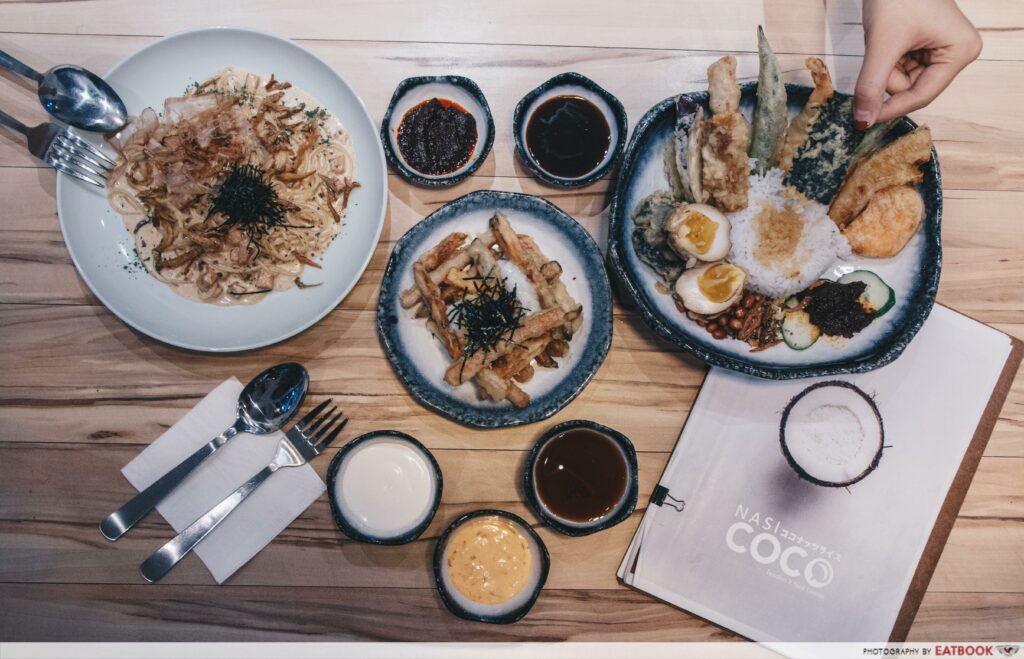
pixel 798 331
pixel 877 295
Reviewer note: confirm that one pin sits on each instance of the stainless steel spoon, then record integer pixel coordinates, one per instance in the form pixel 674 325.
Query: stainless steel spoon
pixel 266 404
pixel 75 96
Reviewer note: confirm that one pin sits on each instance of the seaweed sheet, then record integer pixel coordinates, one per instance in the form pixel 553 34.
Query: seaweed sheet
pixel 820 165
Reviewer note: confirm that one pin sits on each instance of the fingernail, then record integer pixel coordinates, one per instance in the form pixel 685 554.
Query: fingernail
pixel 862 119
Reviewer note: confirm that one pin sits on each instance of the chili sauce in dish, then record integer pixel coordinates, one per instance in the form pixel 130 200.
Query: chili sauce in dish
pixel 568 136
pixel 580 475
pixel 437 136
pixel 489 560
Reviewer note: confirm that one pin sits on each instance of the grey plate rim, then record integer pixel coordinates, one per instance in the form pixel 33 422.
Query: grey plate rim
pixel 887 349
pixel 505 417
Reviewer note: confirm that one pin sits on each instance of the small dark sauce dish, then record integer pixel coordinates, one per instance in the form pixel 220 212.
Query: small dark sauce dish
pixel 343 524
pixel 513 616
pixel 571 84
pixel 627 502
pixel 414 91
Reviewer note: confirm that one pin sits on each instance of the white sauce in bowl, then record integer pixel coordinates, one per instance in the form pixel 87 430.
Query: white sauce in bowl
pixel 385 487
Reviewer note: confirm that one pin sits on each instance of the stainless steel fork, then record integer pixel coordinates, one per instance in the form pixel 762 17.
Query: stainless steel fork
pixel 63 150
pixel 306 440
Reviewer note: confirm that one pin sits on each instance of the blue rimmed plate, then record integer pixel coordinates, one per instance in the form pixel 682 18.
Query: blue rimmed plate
pixel 421 361
pixel 913 273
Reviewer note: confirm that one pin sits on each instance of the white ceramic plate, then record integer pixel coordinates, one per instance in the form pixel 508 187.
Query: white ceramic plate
pixel 103 249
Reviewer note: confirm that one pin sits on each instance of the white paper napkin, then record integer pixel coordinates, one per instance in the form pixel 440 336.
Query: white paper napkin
pixel 258 520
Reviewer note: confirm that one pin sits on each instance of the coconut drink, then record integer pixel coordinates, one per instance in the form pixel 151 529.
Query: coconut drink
pixel 832 434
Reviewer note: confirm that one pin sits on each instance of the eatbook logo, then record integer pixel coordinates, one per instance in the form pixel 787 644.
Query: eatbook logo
pixel 768 542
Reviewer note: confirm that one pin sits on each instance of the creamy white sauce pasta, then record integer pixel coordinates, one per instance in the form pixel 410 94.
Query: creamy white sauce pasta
pixel 235 188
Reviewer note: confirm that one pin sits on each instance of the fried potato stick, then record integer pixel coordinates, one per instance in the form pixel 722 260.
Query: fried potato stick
pixel 492 384
pixel 532 327
pixel 552 271
pixel 443 251
pixel 517 360
pixel 458 260
pixel 509 243
pixel 431 295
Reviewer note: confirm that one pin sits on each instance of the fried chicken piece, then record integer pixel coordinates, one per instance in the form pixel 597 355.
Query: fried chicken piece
pixel 726 136
pixel 726 165
pixel 800 127
pixel 894 164
pixel 887 223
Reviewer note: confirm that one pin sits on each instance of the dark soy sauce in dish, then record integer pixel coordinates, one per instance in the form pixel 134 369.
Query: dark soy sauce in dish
pixel 568 136
pixel 580 475
pixel 437 136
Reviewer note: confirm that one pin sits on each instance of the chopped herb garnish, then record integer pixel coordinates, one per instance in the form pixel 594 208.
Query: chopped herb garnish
pixel 489 316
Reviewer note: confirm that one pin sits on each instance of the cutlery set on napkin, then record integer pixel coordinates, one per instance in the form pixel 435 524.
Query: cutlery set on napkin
pixel 208 511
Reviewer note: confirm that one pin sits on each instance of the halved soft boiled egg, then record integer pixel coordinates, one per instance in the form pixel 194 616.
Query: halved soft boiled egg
pixel 700 231
pixel 710 288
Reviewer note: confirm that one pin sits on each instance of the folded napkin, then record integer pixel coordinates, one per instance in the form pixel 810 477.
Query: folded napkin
pixel 254 523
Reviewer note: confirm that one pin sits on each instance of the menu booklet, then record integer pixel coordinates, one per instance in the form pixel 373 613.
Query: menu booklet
pixel 755 524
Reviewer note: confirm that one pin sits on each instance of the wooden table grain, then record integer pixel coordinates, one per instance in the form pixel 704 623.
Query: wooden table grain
pixel 81 393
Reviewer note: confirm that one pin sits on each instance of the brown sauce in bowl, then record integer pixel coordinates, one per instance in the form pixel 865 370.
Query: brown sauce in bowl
pixel 437 136
pixel 568 136
pixel 580 475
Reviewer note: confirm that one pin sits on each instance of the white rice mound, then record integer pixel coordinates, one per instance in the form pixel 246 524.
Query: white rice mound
pixel 818 248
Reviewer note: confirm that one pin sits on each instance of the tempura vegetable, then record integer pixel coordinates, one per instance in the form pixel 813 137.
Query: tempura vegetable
pixel 686 116
pixel 695 159
pixel 723 87
pixel 768 132
pixel 799 129
pixel 820 165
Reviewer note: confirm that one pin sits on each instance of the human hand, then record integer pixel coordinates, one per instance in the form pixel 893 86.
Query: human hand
pixel 912 49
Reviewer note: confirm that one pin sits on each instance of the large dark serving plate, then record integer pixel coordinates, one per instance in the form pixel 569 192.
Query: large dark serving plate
pixel 420 361
pixel 913 274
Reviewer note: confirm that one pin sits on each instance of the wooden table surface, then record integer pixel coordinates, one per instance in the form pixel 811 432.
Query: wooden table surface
pixel 82 393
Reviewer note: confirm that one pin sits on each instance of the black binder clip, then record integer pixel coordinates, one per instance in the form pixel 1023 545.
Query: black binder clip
pixel 660 495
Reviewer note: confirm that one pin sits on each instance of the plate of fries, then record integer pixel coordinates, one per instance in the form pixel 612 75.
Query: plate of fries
pixel 495 310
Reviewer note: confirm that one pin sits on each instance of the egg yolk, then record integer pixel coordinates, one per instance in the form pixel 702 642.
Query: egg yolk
pixel 700 231
pixel 719 282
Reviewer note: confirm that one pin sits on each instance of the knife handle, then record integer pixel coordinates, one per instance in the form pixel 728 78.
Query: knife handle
pixel 117 523
pixel 162 560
